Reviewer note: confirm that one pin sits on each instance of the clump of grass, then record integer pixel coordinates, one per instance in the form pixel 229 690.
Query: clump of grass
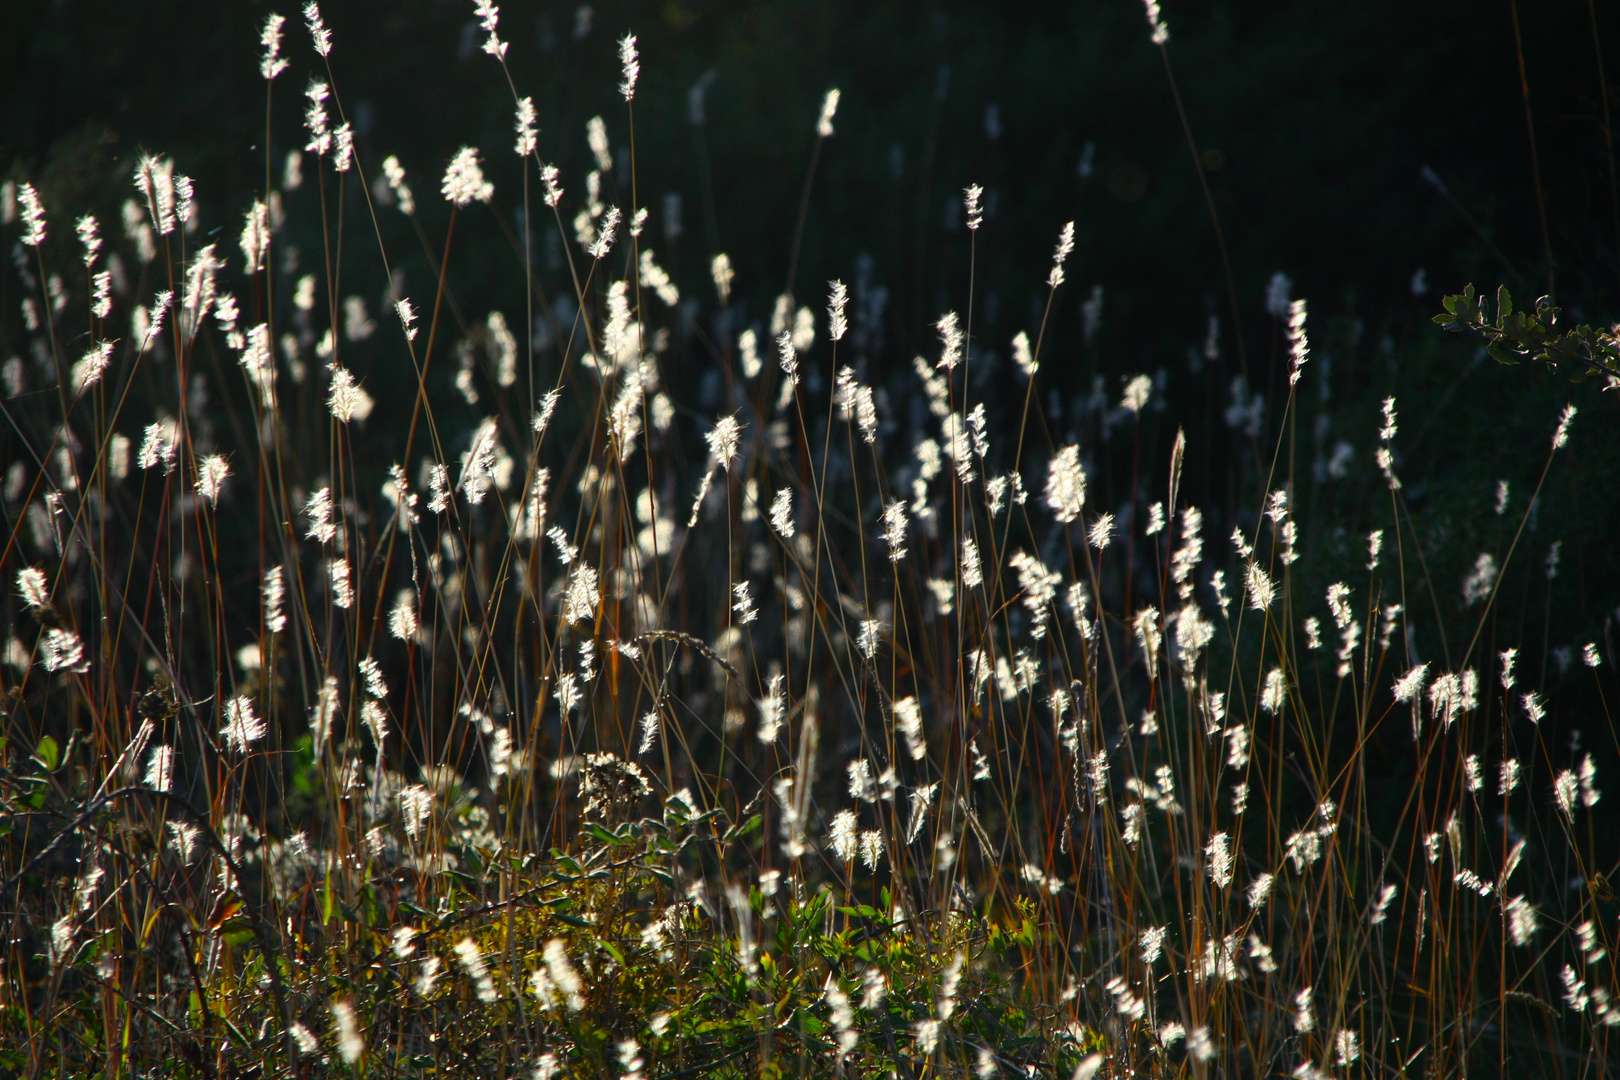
pixel 529 720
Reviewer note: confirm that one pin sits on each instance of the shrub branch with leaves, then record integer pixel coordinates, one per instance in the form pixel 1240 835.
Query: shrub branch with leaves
pixel 1515 335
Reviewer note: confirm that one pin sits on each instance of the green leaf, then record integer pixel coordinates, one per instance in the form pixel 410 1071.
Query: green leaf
pixel 237 931
pixel 49 754
pixel 1504 303
pixel 742 828
pixel 607 836
pixel 565 865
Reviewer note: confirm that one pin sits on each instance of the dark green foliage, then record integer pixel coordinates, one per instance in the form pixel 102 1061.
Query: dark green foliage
pixel 1515 335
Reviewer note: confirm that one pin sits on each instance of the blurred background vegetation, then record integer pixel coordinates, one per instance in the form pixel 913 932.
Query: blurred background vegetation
pixel 1378 154
pixel 1314 120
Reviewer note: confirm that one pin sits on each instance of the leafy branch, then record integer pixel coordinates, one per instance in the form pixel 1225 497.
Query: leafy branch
pixel 1515 335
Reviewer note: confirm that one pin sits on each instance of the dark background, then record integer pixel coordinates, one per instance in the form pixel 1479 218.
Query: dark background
pixel 1314 121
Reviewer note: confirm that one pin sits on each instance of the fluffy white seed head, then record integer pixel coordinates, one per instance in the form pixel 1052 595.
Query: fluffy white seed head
pixel 972 571
pixel 1101 532
pixel 273 591
pixel 952 340
pixel 272 63
pixel 347 400
pixel 340 579
pixel 605 236
pixel 563 974
pixel 1156 23
pixel 1298 345
pixel 315 120
pixel 241 728
pixel 973 205
pixel 1138 391
pixel 1218 855
pixel 743 603
pixel 394 172
pixel 464 180
pixel 721 272
pixel 782 512
pixel 160 769
pixel 868 638
pixel 351 1044
pixel 1023 357
pixel 894 530
pixel 402 620
pixel 1522 921
pixel 407 318
pixel 1409 687
pixel 343 147
pixel 1060 255
pixel 630 64
pixel 1066 484
pixel 723 441
pixel 33 215
pixel 842 836
pixel 596 137
pixel 472 961
pixel 32 588
pixel 1275 691
pixel 489 19
pixel 579 602
pixel 1260 588
pixel 63 650
pixel 524 127
pixel 829 109
pixel 1561 435
pixel 1387 432
pixel 101 300
pixel 319 34
pixel 89 231
pixel 837 300
pixel 211 473
pixel 773 710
